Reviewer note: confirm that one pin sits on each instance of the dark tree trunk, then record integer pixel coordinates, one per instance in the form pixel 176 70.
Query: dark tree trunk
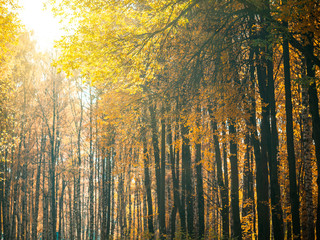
pixel 222 186
pixel 162 216
pixel 61 211
pixel 307 216
pixel 24 190
pixel 262 173
pixel 2 179
pixel 269 131
pixel 187 179
pixel 53 210
pixel 294 197
pixel 314 110
pixel 226 186
pixel 175 185
pixel 155 144
pixel 45 204
pixel 37 193
pixel 5 204
pixel 77 206
pixel 71 215
pixel 179 192
pixel 109 171
pixel 248 193
pixel 13 233
pixel 200 196
pixel 91 172
pixel 104 197
pixel 52 165
pixel 147 182
pixel 277 217
pixel 237 233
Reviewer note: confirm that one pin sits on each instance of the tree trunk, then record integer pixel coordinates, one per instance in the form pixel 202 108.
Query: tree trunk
pixel 5 204
pixel 200 193
pixel 155 143
pixel 294 197
pixel 187 179
pixel 108 183
pixel 61 211
pixel 163 177
pixel 306 155
pixel 37 193
pixel 262 173
pixel 222 186
pixel 314 110
pixel 277 218
pixel 248 193
pixel 147 182
pixel 237 233
pixel 104 196
pixel 91 190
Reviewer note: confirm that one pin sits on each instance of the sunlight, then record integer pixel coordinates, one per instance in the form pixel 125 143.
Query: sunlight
pixel 46 28
pixel 159 119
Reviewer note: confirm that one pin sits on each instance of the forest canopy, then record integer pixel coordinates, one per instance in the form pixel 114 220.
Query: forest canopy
pixel 190 119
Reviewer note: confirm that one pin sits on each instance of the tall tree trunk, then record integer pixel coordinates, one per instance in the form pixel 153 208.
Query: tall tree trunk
pixel 71 215
pixel 314 110
pixel 2 179
pixel 104 196
pixel 5 204
pixel 52 165
pixel 37 193
pixel 178 190
pixel 176 201
pixel 248 193
pixel 277 217
pixel 237 234
pixel 112 203
pixel 262 172
pixel 13 232
pixel 200 197
pixel 61 211
pixel 147 182
pixel 155 143
pixel 222 186
pixel 97 177
pixel 78 177
pixel 91 190
pixel 109 171
pixel 53 210
pixel 306 155
pixel 226 185
pixel 163 176
pixel 294 197
pixel 269 131
pixel 187 179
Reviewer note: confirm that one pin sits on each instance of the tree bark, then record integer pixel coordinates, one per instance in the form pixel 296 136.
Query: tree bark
pixel 314 110
pixel 200 197
pixel 155 144
pixel 187 179
pixel 91 190
pixel 277 217
pixel 262 161
pixel 37 193
pixel 222 185
pixel 306 155
pixel 237 234
pixel 294 197
pixel 61 211
pixel 147 182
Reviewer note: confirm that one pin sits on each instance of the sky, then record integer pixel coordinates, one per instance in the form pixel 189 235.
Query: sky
pixel 46 28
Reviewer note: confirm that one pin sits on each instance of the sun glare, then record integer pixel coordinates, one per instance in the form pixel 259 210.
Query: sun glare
pixel 41 21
